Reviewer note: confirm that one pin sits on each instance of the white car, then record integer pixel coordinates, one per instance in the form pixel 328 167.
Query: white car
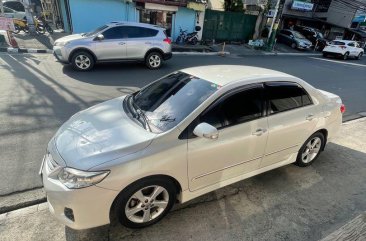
pixel 184 135
pixel 343 49
pixel 10 13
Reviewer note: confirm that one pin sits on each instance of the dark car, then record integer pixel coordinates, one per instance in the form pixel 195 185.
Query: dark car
pixel 314 35
pixel 15 5
pixel 294 39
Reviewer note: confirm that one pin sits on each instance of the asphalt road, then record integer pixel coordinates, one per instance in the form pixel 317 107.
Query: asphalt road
pixel 39 94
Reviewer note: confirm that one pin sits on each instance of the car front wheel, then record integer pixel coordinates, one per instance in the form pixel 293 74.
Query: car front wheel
pixel 82 61
pixel 294 45
pixel 154 60
pixel 311 149
pixel 145 202
pixel 345 56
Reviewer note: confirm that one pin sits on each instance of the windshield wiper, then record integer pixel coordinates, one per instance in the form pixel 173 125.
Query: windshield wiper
pixel 167 119
pixel 137 113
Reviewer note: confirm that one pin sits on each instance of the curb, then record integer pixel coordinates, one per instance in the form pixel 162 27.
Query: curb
pixel 201 53
pixel 24 50
pixel 291 54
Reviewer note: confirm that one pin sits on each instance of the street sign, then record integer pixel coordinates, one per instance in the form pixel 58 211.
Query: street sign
pixel 6 24
pixel 304 6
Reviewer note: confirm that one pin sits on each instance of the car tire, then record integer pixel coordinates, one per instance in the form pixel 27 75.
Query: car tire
pixel 325 55
pixel 294 45
pixel 345 56
pixel 82 61
pixel 310 150
pixel 154 60
pixel 135 206
pixel 359 56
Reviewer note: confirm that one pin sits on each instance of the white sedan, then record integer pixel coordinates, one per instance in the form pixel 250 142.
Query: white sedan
pixel 184 135
pixel 343 49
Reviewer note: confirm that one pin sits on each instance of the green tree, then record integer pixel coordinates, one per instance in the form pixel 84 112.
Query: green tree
pixel 233 5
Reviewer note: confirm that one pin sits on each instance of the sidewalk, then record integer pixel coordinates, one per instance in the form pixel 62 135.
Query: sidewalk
pixel 289 203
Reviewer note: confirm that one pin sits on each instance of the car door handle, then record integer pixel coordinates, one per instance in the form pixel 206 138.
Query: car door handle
pixel 310 117
pixel 259 132
pixel 121 43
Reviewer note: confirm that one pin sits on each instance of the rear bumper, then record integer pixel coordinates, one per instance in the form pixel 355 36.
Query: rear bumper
pixel 332 54
pixel 167 56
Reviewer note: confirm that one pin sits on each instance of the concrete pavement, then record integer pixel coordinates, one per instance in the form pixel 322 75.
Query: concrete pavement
pixel 324 201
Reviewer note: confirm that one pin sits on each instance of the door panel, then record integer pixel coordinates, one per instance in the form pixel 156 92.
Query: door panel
pixel 287 132
pixel 240 145
pixel 137 47
pixel 235 152
pixel 109 49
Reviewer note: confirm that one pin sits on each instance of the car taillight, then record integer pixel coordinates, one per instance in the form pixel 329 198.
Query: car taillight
pixel 343 108
pixel 342 47
pixel 167 40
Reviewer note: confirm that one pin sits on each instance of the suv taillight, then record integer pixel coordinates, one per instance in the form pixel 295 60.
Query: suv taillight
pixel 167 40
pixel 342 47
pixel 343 108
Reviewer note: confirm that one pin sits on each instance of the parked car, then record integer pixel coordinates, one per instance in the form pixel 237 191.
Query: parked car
pixel 116 41
pixel 293 39
pixel 15 5
pixel 184 135
pixel 314 35
pixel 10 13
pixel 343 49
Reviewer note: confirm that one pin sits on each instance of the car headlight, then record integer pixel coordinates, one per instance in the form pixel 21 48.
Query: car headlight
pixel 61 43
pixel 74 179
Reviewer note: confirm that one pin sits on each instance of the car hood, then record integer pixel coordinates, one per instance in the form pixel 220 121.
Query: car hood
pixel 100 134
pixel 69 38
pixel 303 41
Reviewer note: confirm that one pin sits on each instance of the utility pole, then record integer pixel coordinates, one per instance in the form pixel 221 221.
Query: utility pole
pixel 274 25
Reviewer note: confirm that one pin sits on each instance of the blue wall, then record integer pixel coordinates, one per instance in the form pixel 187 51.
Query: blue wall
pixel 89 14
pixel 64 16
pixel 185 18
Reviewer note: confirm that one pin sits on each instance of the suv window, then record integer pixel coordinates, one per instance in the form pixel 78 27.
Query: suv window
pixel 140 32
pixel 115 33
pixel 8 10
pixel 283 96
pixel 17 6
pixel 240 107
pixel 351 44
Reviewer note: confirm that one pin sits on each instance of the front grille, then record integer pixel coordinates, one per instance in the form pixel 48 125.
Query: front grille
pixel 69 213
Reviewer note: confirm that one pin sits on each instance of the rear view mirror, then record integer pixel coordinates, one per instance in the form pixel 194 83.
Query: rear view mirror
pixel 99 37
pixel 207 131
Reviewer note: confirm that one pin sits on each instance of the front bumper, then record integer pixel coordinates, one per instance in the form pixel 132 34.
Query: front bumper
pixel 61 54
pixel 90 206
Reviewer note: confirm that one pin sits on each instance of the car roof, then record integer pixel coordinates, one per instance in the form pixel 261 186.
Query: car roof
pixel 226 74
pixel 118 23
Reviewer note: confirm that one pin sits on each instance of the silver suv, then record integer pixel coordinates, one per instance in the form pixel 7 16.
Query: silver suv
pixel 116 41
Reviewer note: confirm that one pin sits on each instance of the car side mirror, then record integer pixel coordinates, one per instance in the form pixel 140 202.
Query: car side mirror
pixel 292 36
pixel 207 131
pixel 99 37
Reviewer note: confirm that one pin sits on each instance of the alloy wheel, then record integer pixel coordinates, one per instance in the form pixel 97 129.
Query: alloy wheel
pixel 147 204
pixel 345 56
pixel 82 61
pixel 154 61
pixel 311 150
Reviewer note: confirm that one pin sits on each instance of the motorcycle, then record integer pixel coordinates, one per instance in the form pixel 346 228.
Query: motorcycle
pixel 44 24
pixel 22 25
pixel 188 38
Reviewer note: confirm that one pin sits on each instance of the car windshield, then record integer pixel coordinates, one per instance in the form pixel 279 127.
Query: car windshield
pixel 169 100
pixel 92 33
pixel 298 35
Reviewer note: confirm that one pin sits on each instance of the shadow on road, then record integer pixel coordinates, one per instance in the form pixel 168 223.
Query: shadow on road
pixel 289 203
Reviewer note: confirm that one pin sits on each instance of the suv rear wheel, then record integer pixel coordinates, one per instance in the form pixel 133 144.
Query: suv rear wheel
pixel 82 61
pixel 154 60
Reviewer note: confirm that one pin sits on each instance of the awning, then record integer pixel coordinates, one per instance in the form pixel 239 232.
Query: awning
pixel 196 6
pixel 154 6
pixel 359 32
pixel 217 5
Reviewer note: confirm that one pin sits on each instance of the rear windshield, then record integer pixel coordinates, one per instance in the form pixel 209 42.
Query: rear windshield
pixel 337 43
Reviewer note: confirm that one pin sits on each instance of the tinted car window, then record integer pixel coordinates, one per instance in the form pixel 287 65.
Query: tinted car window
pixel 337 43
pixel 140 32
pixel 169 100
pixel 115 33
pixel 244 106
pixel 351 44
pixel 283 96
pixel 8 10
pixel 17 6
